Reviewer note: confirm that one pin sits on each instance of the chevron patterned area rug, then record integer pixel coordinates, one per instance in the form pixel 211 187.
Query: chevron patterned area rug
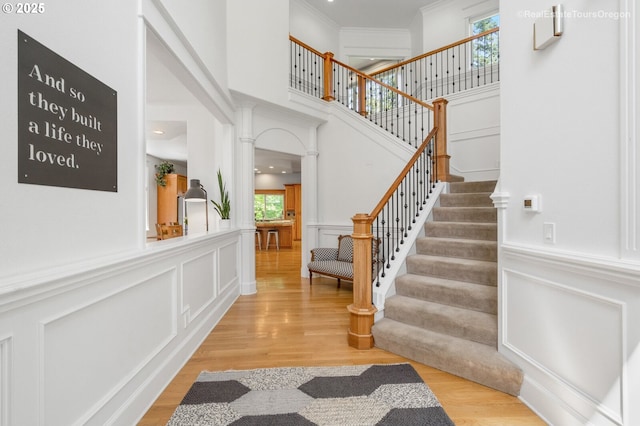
pixel 359 395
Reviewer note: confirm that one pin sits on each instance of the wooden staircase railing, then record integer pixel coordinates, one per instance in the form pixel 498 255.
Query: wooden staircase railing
pixel 466 64
pixel 407 118
pixel 389 223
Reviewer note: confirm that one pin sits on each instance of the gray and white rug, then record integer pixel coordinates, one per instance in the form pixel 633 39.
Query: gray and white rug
pixel 359 395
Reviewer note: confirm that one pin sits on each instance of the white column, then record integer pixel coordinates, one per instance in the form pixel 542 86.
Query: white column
pixel 245 217
pixel 309 177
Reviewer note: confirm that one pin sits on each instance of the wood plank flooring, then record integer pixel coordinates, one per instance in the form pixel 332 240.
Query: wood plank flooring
pixel 289 323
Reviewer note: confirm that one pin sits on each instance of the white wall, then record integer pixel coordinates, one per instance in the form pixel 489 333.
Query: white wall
pixel 260 37
pixel 473 126
pixel 313 28
pixel 570 309
pixel 275 181
pixel 204 27
pixel 374 43
pixel 93 322
pixel 446 22
pixel 52 226
pixel 356 164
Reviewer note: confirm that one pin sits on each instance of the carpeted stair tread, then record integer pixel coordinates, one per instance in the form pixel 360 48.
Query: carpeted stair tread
pixel 471 360
pixel 456 178
pixel 466 199
pixel 466 230
pixel 465 214
pixel 458 247
pixel 467 270
pixel 459 322
pixel 477 297
pixel 479 186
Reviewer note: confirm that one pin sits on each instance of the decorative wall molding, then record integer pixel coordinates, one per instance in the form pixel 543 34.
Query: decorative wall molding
pixel 71 327
pixel 594 384
pixel 5 380
pixel 605 268
pixel 629 133
pixel 111 334
pixel 591 300
pixel 201 289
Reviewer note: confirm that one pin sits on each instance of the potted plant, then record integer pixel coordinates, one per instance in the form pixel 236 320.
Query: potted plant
pixel 224 206
pixel 162 170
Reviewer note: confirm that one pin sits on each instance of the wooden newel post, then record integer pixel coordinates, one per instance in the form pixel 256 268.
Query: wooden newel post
pixel 362 96
pixel 441 156
pixel 328 77
pixel 362 310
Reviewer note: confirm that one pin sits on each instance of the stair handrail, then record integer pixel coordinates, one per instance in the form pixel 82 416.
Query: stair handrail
pixel 468 75
pixel 390 223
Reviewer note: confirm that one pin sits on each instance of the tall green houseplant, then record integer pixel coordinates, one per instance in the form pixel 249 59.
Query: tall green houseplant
pixel 224 206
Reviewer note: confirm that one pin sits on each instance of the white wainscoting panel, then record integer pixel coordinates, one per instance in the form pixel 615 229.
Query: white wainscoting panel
pixel 111 338
pixel 198 285
pixel 571 323
pixel 96 343
pixel 229 275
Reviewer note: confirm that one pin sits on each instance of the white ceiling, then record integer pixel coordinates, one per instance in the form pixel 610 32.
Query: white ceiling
pixel 371 13
pixel 272 162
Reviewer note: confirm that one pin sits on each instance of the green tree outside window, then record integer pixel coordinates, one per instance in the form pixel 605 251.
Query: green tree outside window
pixel 485 50
pixel 268 207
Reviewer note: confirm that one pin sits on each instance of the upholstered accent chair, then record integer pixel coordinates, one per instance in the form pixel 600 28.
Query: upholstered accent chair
pixel 336 262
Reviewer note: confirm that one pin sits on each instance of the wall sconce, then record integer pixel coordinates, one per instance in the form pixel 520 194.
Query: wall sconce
pixel 548 28
pixel 197 193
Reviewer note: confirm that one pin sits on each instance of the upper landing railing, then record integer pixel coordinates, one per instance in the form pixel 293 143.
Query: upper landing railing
pixel 465 64
pixel 320 75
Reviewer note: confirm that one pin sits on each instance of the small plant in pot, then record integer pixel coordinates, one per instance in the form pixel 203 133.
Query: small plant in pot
pixel 163 169
pixel 224 206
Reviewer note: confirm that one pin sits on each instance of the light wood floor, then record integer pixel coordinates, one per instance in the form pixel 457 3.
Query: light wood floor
pixel 289 323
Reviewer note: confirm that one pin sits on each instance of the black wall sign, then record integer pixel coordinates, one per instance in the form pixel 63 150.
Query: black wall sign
pixel 67 122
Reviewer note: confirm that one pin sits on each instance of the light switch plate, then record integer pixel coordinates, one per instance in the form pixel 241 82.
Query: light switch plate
pixel 549 232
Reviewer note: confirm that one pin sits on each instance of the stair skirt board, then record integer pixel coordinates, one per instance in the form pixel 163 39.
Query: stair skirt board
pixel 444 312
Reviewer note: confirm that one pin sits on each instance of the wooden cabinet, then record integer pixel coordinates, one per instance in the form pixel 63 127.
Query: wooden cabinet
pixel 289 198
pixel 168 197
pixel 297 226
pixel 293 204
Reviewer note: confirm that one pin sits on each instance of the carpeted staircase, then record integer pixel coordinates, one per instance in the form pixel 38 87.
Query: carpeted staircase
pixel 444 313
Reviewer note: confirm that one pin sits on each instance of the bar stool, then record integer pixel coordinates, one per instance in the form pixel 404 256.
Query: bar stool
pixel 274 232
pixel 259 239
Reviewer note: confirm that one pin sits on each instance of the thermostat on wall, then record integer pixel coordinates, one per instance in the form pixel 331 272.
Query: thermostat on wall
pixel 533 203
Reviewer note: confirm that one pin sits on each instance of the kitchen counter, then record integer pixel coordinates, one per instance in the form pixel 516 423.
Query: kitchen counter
pixel 285 234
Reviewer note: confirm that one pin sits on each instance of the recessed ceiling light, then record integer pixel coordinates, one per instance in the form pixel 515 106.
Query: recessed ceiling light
pixel 271 167
pixel 284 171
pixel 158 132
